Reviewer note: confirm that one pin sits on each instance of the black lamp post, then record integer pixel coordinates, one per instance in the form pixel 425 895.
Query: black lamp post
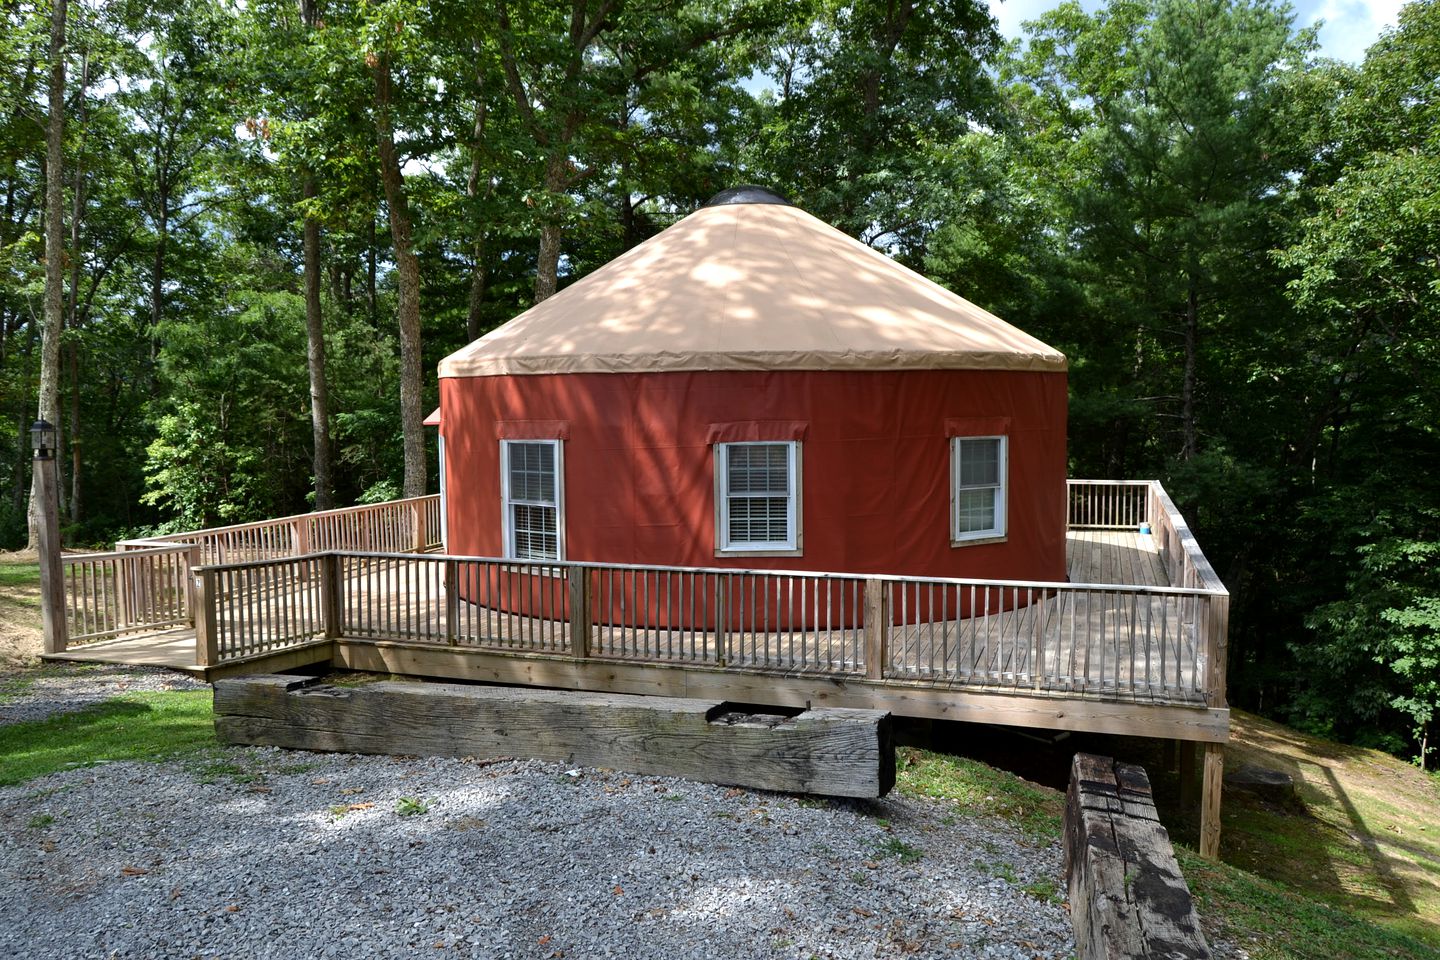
pixel 52 584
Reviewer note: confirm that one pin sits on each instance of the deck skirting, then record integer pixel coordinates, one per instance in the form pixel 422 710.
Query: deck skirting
pixel 1059 711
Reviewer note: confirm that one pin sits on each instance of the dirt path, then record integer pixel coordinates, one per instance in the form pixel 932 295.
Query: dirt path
pixel 20 638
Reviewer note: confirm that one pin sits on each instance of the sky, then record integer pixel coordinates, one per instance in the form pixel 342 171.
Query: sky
pixel 1350 25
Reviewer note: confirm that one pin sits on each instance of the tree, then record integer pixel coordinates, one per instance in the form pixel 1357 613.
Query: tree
pixel 54 251
pixel 1365 261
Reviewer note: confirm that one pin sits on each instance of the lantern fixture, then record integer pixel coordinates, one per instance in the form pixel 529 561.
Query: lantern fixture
pixel 42 439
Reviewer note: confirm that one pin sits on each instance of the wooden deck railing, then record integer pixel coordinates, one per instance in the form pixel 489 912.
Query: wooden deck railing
pixel 1126 504
pixel 1103 640
pixel 396 526
pixel 146 585
pixel 126 591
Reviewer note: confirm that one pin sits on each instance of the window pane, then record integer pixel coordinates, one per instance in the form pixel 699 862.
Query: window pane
pixel 532 472
pixel 979 462
pixel 759 520
pixel 758 469
pixel 535 530
pixel 974 510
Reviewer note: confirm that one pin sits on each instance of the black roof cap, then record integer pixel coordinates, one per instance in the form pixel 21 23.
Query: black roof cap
pixel 747 193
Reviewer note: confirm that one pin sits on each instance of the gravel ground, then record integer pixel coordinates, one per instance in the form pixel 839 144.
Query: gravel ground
pixel 49 690
pixel 270 853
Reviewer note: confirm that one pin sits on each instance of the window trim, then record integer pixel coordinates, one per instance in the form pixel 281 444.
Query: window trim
pixel 507 544
pixel 792 548
pixel 999 532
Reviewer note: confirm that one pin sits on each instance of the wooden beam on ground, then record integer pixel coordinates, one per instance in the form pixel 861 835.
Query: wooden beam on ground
pixel 829 751
pixel 1060 712
pixel 1128 898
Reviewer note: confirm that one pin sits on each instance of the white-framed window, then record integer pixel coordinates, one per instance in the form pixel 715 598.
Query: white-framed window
pixel 978 487
pixel 757 497
pixel 532 488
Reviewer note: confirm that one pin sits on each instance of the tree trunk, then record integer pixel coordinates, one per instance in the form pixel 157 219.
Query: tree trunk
pixel 54 249
pixel 315 360
pixel 73 318
pixel 547 265
pixel 315 328
pixel 1187 386
pixel 407 267
pixel 474 317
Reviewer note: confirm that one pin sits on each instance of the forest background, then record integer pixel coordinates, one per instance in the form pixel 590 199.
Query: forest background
pixel 276 217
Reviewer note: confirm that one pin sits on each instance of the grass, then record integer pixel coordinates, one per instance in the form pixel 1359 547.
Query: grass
pixel 1352 870
pixel 980 789
pixel 1363 839
pixel 140 726
pixel 19 574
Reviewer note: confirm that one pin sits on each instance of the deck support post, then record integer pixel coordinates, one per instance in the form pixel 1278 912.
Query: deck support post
pixel 877 628
pixel 579 588
pixel 1217 631
pixel 330 594
pixel 1210 801
pixel 207 636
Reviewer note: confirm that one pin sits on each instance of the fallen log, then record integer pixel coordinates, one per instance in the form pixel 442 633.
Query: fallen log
pixel 831 751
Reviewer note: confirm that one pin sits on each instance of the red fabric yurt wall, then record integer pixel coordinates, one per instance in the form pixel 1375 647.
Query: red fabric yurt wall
pixel 875 496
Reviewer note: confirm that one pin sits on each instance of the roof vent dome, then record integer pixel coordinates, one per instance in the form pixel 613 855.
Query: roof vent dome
pixel 747 193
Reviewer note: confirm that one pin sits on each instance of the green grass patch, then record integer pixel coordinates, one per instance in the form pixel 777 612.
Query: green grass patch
pixel 1273 922
pixel 899 849
pixel 139 726
pixel 980 789
pixel 23 575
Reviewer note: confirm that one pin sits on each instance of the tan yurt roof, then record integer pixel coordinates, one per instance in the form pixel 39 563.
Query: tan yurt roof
pixel 749 282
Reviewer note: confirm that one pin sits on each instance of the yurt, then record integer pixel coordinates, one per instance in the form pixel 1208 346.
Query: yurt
pixel 753 388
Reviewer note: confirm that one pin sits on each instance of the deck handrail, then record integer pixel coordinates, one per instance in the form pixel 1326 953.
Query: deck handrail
pixel 538 567
pixel 410 524
pixel 1113 641
pixel 138 587
pixel 1121 504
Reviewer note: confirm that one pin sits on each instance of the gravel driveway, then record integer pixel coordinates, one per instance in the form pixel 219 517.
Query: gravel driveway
pixel 271 853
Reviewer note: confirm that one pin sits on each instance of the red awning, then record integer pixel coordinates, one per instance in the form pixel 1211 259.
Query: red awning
pixel 434 419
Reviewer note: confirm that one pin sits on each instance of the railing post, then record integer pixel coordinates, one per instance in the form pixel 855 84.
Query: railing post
pixel 330 594
pixel 207 634
pixel 580 614
pixel 452 602
pixel 419 525
pixel 877 628
pixel 300 537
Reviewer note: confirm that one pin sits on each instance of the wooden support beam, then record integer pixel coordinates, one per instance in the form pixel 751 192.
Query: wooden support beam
pixel 829 751
pixel 918 699
pixel 1210 801
pixel 1128 898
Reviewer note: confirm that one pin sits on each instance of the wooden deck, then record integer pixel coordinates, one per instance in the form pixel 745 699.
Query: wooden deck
pixel 979 651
